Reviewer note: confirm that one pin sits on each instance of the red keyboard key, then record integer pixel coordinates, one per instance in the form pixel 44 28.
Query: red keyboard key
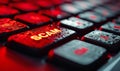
pixel 7 11
pixel 40 40
pixel 32 18
pixel 25 6
pixel 57 2
pixel 9 26
pixel 44 4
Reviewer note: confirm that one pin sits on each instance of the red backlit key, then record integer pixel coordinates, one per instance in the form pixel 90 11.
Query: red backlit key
pixel 55 13
pixel 40 40
pixel 57 2
pixel 77 24
pixel 108 40
pixel 93 17
pixel 32 19
pixel 9 26
pixel 79 54
pixel 44 4
pixel 24 6
pixel 111 27
pixel 6 11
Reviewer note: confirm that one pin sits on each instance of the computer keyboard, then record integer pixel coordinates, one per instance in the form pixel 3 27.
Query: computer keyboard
pixel 59 35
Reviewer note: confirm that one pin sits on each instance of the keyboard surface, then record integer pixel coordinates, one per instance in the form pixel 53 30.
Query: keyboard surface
pixel 59 35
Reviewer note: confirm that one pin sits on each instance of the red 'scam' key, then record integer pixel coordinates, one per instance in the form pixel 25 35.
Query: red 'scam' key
pixel 38 41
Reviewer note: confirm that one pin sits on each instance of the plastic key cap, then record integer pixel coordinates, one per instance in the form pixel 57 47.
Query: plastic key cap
pixel 9 26
pixel 111 27
pixel 55 13
pixel 70 8
pixel 108 40
pixel 6 11
pixel 92 16
pixel 32 19
pixel 77 24
pixel 78 54
pixel 38 41
pixel 24 6
pixel 104 12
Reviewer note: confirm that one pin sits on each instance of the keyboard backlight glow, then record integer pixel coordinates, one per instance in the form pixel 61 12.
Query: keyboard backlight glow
pixel 45 34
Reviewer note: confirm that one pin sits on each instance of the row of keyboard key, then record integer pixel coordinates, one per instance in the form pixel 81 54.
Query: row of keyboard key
pixel 79 53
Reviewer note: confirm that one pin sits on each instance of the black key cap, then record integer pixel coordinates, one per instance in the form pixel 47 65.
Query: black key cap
pixel 118 20
pixel 108 40
pixel 104 12
pixel 55 13
pixel 9 27
pixel 111 27
pixel 80 54
pixel 93 17
pixel 77 24
pixel 113 8
pixel 32 19
pixel 69 8
pixel 82 5
pixel 38 41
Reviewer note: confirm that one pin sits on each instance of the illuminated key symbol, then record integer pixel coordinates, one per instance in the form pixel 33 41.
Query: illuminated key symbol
pixel 117 27
pixel 6 25
pixel 104 37
pixel 81 51
pixel 45 34
pixel 79 23
pixel 93 17
pixel 105 12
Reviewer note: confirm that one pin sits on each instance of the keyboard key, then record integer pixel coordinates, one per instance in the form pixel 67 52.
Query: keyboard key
pixel 77 24
pixel 78 53
pixel 83 5
pixel 9 27
pixel 108 40
pixel 38 41
pixel 57 2
pixel 118 20
pixel 104 12
pixel 44 4
pixel 55 13
pixel 93 17
pixel 32 19
pixel 113 8
pixel 111 27
pixel 69 8
pixel 24 6
pixel 6 11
